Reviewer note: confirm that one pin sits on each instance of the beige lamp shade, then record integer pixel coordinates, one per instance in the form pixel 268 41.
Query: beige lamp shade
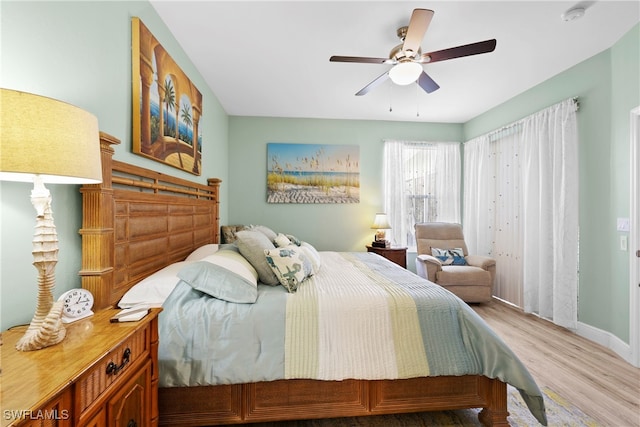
pixel 42 136
pixel 381 222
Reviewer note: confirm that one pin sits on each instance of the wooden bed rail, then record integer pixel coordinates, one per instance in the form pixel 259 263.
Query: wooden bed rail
pixel 137 221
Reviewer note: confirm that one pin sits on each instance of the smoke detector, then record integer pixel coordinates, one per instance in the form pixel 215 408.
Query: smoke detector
pixel 573 14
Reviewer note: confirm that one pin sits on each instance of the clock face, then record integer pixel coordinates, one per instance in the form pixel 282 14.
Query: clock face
pixel 77 303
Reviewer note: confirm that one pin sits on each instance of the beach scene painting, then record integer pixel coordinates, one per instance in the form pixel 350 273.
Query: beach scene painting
pixel 313 173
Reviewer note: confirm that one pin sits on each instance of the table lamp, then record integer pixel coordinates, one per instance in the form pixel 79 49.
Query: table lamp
pixel 380 224
pixel 43 140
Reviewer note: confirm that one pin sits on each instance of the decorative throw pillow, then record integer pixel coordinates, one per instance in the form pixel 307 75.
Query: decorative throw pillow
pixel 229 232
pixel 312 254
pixel 289 265
pixel 281 241
pixel 449 256
pixel 271 235
pixel 294 239
pixel 252 245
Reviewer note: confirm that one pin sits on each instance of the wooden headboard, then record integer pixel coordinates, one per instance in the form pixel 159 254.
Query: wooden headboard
pixel 138 221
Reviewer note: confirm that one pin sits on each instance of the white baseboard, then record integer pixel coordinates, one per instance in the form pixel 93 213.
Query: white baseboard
pixel 606 339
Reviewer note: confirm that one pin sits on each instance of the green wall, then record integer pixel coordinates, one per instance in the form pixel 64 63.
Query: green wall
pixel 326 226
pixel 607 86
pixel 80 53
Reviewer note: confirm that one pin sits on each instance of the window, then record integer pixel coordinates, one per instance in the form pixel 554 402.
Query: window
pixel 421 184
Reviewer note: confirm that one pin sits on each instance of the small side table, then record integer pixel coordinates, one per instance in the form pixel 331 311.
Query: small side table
pixel 397 255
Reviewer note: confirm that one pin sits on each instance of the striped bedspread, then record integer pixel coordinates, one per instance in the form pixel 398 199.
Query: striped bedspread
pixel 360 316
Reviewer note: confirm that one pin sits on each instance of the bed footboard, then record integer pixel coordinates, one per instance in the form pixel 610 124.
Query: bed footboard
pixel 308 399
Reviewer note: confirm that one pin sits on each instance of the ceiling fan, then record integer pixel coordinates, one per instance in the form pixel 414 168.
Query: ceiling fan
pixel 407 58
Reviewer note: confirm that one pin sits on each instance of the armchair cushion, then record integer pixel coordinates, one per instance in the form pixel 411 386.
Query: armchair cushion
pixel 463 275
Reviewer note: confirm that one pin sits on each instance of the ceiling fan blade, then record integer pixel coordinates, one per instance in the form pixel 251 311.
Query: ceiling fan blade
pixel 459 51
pixel 360 59
pixel 378 81
pixel 427 83
pixel 420 20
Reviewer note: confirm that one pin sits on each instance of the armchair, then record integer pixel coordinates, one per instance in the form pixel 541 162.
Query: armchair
pixel 472 282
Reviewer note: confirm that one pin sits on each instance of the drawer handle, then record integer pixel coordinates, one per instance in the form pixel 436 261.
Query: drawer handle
pixel 132 423
pixel 113 369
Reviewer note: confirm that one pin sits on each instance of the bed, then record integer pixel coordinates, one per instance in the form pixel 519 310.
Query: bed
pixel 138 224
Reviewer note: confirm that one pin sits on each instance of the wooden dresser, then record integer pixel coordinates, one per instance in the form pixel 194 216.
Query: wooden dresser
pixel 102 374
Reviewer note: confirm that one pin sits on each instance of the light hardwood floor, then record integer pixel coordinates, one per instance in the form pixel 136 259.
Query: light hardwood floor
pixel 588 375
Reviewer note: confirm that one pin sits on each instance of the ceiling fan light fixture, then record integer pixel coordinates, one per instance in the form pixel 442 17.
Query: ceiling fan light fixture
pixel 405 73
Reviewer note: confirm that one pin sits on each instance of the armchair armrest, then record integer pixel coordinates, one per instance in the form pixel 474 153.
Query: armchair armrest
pixel 427 266
pixel 484 262
pixel 481 261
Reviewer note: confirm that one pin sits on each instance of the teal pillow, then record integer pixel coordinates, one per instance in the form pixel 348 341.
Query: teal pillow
pixel 220 282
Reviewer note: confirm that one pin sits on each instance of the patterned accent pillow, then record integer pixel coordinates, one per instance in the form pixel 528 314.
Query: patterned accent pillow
pixel 449 256
pixel 290 266
pixel 229 232
pixel 281 241
pixel 294 239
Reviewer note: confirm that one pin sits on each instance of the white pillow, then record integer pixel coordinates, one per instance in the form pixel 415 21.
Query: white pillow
pixel 203 251
pixel 271 235
pixel 154 289
pixel 312 254
pixel 281 241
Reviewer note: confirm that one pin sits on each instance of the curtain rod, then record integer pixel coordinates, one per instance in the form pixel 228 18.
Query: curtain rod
pixel 492 133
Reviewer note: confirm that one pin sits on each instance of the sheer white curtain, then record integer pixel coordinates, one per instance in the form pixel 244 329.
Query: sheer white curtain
pixel 492 207
pixel 550 189
pixel 521 207
pixel 479 195
pixel 421 183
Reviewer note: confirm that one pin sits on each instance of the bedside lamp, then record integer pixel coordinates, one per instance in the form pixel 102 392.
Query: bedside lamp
pixel 380 224
pixel 43 140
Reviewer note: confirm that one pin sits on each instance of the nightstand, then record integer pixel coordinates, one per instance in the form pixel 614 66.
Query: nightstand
pixel 397 255
pixel 101 374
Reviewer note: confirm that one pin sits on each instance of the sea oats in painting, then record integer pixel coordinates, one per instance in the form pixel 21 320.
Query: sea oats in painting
pixel 313 173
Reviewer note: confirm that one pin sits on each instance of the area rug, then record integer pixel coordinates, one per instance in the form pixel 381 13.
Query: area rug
pixel 559 413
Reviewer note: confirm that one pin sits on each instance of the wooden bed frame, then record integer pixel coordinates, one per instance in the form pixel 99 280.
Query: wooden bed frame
pixel 137 221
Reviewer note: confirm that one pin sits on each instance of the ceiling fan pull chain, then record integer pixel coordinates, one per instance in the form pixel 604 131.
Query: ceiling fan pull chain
pixel 390 98
pixel 417 100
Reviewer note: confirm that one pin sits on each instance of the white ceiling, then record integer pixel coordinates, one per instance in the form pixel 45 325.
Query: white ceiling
pixel 267 58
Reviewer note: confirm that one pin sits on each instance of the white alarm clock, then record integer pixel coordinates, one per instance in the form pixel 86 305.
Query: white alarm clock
pixel 77 305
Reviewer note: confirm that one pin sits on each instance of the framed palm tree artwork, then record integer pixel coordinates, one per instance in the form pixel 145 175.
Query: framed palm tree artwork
pixel 167 106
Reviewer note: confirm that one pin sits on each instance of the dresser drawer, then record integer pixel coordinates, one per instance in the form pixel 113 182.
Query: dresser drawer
pixel 112 367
